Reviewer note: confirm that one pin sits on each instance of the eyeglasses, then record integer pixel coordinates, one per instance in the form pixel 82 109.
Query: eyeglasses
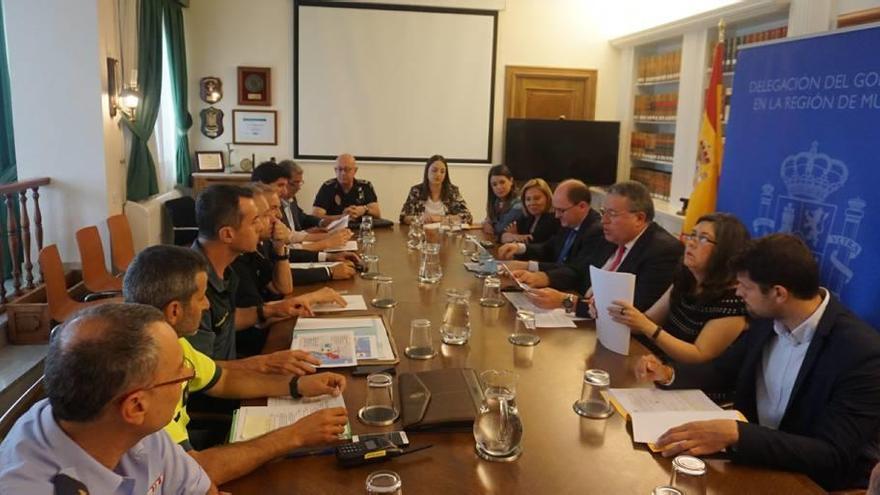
pixel 701 239
pixel 561 211
pixel 347 170
pixel 183 379
pixel 612 214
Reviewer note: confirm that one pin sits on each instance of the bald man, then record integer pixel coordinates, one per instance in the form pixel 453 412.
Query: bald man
pixel 346 195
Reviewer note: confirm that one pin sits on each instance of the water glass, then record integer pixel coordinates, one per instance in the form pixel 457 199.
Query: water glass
pixel 384 297
pixel 421 345
pixel 524 330
pixel 430 270
pixel 385 483
pixel 468 247
pixel 366 225
pixel 371 267
pixel 444 224
pixel 368 244
pixel 492 293
pixel 379 409
pixel 454 223
pixel 488 265
pixel 666 490
pixel 416 236
pixel 689 475
pixel 456 327
pixel 593 403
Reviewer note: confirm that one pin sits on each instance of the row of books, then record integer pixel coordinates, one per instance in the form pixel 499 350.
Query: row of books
pixel 662 67
pixel 732 45
pixel 662 106
pixel 659 183
pixel 652 145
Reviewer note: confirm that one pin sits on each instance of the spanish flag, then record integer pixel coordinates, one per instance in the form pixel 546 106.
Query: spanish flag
pixel 705 193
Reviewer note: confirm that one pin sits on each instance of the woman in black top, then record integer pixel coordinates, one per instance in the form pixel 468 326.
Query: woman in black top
pixel 537 223
pixel 701 315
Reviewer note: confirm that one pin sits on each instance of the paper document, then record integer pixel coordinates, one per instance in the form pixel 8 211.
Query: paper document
pixel 349 246
pixel 355 303
pixel 370 336
pixel 334 349
pixel 607 287
pixel 253 421
pixel 315 264
pixel 519 284
pixel 544 318
pixel 338 224
pixel 648 426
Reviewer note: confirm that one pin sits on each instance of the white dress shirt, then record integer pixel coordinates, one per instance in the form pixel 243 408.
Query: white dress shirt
pixel 627 248
pixel 781 363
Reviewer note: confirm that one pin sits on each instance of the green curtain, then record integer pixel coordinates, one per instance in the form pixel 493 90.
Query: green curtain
pixel 141 182
pixel 8 172
pixel 177 66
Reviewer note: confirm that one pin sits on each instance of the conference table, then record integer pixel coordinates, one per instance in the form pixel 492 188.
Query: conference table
pixel 562 452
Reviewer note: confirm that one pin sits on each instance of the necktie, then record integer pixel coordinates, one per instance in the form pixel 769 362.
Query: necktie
pixel 617 259
pixel 566 246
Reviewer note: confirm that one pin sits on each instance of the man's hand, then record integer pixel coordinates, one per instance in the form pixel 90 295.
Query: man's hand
pixel 650 368
pixel 345 256
pixel 342 271
pixel 289 362
pixel 319 428
pixel 320 384
pixel 508 251
pixel 280 233
pixel 547 298
pixel 287 308
pixel 535 280
pixel 320 296
pixel 699 437
pixel 336 239
pixel 355 211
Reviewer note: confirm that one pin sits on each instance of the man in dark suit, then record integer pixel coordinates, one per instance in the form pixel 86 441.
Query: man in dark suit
pixel 560 261
pixel 806 375
pixel 642 248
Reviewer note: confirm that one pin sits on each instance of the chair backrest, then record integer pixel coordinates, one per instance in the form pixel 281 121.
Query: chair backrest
pixel 91 253
pixel 56 284
pixel 182 212
pixel 121 243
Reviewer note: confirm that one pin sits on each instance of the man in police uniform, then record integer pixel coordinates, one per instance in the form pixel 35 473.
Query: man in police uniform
pixel 174 279
pixel 113 374
pixel 346 195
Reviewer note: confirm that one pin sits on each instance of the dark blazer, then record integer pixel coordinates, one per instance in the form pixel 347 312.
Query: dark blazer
pixel 589 247
pixel 653 259
pixel 305 276
pixel 301 220
pixel 830 428
pixel 547 226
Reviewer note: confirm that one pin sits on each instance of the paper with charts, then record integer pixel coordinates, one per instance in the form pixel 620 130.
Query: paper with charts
pixel 371 341
pixel 607 287
pixel 333 349
pixel 253 421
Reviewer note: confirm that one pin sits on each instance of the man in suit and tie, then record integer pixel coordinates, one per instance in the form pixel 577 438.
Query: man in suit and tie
pixel 642 248
pixel 560 261
pixel 806 375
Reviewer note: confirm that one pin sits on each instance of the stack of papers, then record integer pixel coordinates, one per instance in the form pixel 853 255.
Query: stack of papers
pixel 654 411
pixel 253 421
pixel 331 340
pixel 544 318
pixel 338 224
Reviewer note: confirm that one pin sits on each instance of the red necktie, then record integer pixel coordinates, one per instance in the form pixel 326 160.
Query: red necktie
pixel 617 259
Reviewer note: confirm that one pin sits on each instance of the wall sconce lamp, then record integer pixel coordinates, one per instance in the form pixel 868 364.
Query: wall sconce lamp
pixel 121 100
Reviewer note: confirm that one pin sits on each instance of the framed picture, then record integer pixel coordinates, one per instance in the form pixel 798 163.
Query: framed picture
pixel 255 127
pixel 254 86
pixel 209 161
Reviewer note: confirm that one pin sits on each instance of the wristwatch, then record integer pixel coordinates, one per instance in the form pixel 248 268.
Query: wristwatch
pixel 569 302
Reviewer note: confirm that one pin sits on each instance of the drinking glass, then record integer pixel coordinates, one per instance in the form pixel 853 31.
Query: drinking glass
pixel 430 270
pixel 366 225
pixel 524 330
pixel 454 223
pixel 384 294
pixel 416 236
pixel 368 244
pixel 593 403
pixel 456 327
pixel 379 409
pixel 689 475
pixel 468 247
pixel 371 267
pixel 421 345
pixel 384 482
pixel 491 293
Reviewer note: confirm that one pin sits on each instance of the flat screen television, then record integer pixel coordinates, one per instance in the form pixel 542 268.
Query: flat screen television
pixel 560 149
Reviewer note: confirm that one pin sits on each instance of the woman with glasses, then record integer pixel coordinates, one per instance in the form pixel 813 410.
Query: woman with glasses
pixel 435 197
pixel 700 315
pixel 502 203
pixel 537 223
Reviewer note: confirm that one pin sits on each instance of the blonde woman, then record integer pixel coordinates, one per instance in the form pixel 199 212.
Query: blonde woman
pixel 537 223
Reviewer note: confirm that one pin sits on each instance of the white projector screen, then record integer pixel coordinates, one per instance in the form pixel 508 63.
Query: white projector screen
pixel 393 83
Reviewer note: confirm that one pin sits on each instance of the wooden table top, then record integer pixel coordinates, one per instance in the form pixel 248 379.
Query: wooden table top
pixel 562 452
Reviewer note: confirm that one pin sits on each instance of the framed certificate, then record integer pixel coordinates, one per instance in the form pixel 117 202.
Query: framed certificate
pixel 209 161
pixel 255 127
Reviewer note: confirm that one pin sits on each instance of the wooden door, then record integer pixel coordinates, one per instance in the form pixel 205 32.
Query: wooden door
pixel 548 93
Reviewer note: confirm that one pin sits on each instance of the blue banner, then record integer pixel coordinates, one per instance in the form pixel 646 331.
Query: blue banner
pixel 802 154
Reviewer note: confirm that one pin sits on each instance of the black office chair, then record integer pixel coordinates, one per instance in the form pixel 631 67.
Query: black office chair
pixel 182 212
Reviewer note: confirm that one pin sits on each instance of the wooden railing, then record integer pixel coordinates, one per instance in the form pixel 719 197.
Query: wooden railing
pixel 18 228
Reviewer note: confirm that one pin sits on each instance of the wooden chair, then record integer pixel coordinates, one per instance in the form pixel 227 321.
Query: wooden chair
pixel 91 252
pixel 61 305
pixel 121 243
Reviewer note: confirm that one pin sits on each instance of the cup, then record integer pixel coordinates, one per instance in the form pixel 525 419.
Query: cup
pixel 371 267
pixel 384 297
pixel 366 224
pixel 421 345
pixel 593 403
pixel 379 409
pixel 468 248
pixel 524 330
pixel 454 222
pixel 445 224
pixel 488 265
pixel 491 293
pixel 430 269
pixel 689 475
pixel 368 244
pixel 666 490
pixel 384 482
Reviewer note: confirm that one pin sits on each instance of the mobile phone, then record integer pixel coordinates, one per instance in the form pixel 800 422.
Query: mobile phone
pixel 367 370
pixel 398 438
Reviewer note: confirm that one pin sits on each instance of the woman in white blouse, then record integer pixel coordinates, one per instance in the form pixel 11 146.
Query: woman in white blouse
pixel 435 197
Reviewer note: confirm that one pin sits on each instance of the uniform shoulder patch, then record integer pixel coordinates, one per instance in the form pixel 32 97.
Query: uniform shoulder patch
pixel 65 485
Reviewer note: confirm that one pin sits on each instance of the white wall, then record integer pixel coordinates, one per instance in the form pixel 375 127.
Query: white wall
pixel 62 130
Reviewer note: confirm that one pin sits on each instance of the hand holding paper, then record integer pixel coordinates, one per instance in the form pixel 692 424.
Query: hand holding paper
pixel 699 437
pixel 608 287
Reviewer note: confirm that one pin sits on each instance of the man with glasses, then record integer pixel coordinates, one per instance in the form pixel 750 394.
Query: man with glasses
pixel 642 248
pixel 113 375
pixel 346 195
pixel 561 261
